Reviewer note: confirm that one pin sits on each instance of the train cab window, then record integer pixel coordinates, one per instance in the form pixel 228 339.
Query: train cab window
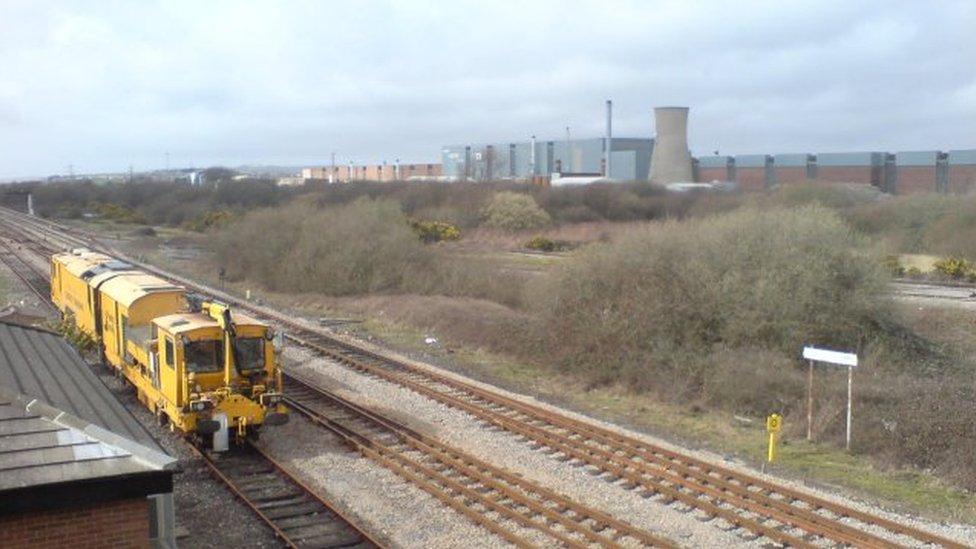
pixel 250 353
pixel 204 356
pixel 169 353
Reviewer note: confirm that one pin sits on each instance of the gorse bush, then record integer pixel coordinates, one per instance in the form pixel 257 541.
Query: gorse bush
pixel 514 212
pixel 953 267
pixel 660 299
pixel 435 231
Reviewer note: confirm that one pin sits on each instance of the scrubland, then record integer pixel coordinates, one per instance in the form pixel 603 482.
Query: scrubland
pixel 697 300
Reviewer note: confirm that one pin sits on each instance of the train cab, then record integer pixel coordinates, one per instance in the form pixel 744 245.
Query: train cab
pixel 218 372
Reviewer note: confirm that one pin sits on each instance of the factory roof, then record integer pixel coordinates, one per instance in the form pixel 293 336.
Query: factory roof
pixel 50 459
pixel 42 365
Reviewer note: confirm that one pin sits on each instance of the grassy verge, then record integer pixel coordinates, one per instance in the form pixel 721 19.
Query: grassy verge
pixel 911 491
pixel 687 425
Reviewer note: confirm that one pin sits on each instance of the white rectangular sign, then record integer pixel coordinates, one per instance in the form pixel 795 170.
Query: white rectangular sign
pixel 831 357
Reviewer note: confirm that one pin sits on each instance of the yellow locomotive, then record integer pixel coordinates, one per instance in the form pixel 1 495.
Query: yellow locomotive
pixel 194 364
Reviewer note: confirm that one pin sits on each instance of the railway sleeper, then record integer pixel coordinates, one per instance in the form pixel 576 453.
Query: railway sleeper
pixel 293 510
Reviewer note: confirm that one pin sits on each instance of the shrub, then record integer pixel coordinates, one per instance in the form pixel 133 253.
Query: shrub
pixel 121 214
pixel 512 211
pixel 953 267
pixel 652 304
pixel 75 336
pixel 893 265
pixel 541 244
pixel 365 246
pixel 209 220
pixel 434 231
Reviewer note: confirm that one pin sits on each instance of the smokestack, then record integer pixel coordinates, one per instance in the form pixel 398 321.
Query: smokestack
pixel 608 145
pixel 671 160
pixel 532 158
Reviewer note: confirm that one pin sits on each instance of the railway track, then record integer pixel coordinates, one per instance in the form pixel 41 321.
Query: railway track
pixel 765 509
pixel 517 510
pixel 297 515
pixel 37 282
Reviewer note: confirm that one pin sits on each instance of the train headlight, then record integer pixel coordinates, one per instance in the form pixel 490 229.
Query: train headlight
pixel 201 405
pixel 271 399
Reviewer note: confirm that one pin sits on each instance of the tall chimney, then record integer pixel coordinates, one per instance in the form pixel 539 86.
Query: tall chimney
pixel 671 160
pixel 608 145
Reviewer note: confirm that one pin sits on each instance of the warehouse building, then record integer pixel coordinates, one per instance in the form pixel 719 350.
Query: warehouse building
pixel 76 468
pixel 630 159
pixel 903 172
pixel 373 172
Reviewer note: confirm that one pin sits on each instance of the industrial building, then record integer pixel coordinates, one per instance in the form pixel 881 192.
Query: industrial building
pixel 666 160
pixel 630 159
pixel 903 172
pixel 76 468
pixel 373 172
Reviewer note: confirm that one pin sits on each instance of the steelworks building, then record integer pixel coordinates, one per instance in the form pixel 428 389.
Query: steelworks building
pixel 630 159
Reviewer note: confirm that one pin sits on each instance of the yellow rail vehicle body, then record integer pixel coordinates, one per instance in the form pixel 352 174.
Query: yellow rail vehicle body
pixel 209 372
pixel 202 370
pixel 70 291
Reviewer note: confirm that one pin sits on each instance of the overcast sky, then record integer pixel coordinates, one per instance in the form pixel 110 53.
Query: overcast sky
pixel 105 85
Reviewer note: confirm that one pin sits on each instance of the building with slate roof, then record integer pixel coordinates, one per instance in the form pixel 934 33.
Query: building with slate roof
pixel 76 468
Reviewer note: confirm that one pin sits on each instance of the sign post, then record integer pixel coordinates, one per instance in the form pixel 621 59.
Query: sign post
pixel 836 358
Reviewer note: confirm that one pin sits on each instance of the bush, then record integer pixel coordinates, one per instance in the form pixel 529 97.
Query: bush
pixel 953 267
pixel 435 231
pixel 210 220
pixel 512 211
pixel 653 304
pixel 541 244
pixel 365 246
pixel 893 265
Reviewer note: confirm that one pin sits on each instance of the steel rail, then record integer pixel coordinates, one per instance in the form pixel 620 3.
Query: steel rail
pixel 600 528
pixel 35 280
pixel 581 450
pixel 278 523
pixel 305 502
pixel 722 477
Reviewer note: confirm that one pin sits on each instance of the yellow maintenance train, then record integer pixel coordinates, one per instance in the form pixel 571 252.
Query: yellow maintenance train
pixel 193 364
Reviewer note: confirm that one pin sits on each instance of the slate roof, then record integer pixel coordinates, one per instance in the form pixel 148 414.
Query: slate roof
pixel 41 365
pixel 42 446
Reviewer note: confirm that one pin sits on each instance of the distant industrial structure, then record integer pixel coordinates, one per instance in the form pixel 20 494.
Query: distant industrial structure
pixel 671 161
pixel 630 159
pixel 903 172
pixel 373 172
pixel 667 160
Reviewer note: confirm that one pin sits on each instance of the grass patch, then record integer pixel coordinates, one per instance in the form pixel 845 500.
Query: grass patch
pixel 818 464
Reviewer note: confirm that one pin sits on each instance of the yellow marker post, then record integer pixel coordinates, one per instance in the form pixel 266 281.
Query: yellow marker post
pixel 773 424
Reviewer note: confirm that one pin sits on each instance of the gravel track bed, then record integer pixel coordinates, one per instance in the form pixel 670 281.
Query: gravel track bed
pixel 210 514
pixel 514 453
pixel 385 504
pixel 206 511
pixel 509 452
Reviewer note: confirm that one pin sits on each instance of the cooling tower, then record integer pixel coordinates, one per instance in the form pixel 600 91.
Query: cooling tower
pixel 671 161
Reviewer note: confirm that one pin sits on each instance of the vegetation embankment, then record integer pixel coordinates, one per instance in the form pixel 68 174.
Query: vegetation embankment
pixel 707 304
pixel 711 310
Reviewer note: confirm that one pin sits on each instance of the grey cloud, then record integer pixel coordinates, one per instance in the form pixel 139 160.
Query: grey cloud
pixel 288 82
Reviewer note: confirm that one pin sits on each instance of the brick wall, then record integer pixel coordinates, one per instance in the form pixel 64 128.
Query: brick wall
pixel 962 179
pixel 792 174
pixel 122 523
pixel 915 179
pixel 707 175
pixel 751 179
pixel 845 174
